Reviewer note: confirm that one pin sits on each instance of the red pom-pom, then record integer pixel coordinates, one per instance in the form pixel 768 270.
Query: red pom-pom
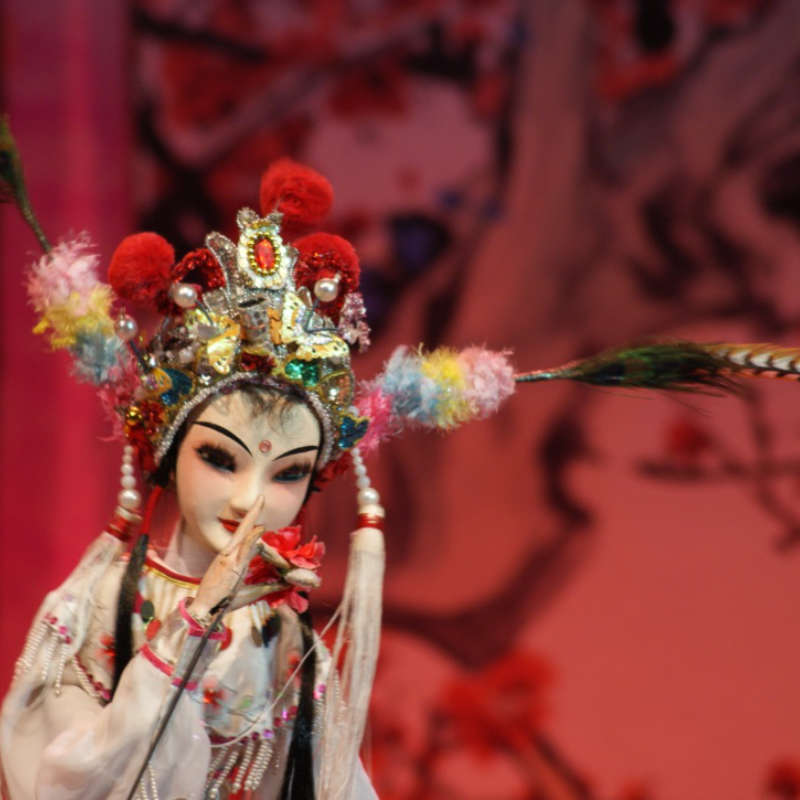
pixel 300 193
pixel 140 268
pixel 325 255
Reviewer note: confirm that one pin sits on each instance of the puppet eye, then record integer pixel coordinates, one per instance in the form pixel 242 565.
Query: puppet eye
pixel 217 457
pixel 293 474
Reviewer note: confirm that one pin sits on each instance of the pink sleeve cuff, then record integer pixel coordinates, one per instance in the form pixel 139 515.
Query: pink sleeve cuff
pixel 195 628
pixel 164 667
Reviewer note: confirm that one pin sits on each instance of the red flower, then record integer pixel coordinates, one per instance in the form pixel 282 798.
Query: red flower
pixel 380 88
pixel 105 653
pixel 635 790
pixel 685 440
pixel 213 694
pixel 503 704
pixel 261 571
pixel 292 596
pixel 783 779
pixel 306 556
pixel 287 542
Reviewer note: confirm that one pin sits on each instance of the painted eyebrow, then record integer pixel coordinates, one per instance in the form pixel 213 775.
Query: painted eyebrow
pixel 224 432
pixel 297 450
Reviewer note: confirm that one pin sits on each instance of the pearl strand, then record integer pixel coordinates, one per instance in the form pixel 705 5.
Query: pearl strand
pixel 129 498
pixel 60 666
pixel 215 765
pixel 260 765
pixel 244 765
pixel 32 645
pixel 48 657
pixel 213 792
pixel 368 499
pixel 153 785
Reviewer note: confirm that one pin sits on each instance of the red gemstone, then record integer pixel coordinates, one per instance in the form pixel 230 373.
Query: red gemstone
pixel 152 629
pixel 227 638
pixel 265 255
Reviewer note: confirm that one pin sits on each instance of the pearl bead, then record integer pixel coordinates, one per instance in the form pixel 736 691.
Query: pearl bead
pixel 127 468
pixel 129 499
pixel 362 481
pixel 326 289
pixel 368 496
pixel 359 470
pixel 184 295
pixel 128 450
pixel 126 327
pixel 128 482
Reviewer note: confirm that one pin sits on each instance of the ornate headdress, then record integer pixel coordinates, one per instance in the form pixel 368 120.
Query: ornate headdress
pixel 265 310
pixel 259 310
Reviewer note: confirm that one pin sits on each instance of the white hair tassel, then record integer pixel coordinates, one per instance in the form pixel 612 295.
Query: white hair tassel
pixel 357 642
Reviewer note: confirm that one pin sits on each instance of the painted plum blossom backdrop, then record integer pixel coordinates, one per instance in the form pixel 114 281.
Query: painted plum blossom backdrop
pixel 590 596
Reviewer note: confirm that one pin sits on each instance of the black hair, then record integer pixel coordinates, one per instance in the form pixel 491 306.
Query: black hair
pixel 298 777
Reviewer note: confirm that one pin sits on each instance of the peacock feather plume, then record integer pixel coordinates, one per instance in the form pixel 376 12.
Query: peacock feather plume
pixel 12 181
pixel 676 366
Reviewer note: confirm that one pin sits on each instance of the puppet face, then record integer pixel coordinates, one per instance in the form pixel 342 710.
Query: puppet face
pixel 232 453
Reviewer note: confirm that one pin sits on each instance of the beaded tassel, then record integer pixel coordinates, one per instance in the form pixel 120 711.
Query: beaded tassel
pixel 215 764
pixel 233 755
pixel 260 764
pixel 48 657
pixel 62 662
pixel 32 645
pixel 153 787
pixel 244 766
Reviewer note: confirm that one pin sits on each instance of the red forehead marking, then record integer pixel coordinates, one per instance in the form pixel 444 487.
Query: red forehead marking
pixel 265 446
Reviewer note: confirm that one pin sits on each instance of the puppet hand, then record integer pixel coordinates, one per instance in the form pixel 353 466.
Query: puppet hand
pixel 223 574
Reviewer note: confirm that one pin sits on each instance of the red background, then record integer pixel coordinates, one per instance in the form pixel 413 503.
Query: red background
pixel 593 594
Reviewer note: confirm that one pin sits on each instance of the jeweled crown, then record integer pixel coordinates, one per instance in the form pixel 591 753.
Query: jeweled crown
pixel 258 326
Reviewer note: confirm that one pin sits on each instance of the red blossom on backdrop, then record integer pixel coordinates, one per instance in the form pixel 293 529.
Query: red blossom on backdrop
pixel 635 790
pixel 503 704
pixel 685 440
pixel 783 779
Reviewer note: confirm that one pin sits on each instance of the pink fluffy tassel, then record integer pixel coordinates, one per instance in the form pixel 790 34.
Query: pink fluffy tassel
pixel 489 379
pixel 70 267
pixel 378 407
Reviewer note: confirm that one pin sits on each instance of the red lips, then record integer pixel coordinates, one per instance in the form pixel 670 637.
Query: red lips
pixel 230 525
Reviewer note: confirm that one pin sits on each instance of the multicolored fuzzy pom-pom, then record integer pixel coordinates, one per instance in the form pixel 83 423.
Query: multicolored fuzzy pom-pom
pixel 441 389
pixel 75 308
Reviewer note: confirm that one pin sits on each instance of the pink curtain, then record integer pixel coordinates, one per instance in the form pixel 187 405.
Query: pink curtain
pixel 65 89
